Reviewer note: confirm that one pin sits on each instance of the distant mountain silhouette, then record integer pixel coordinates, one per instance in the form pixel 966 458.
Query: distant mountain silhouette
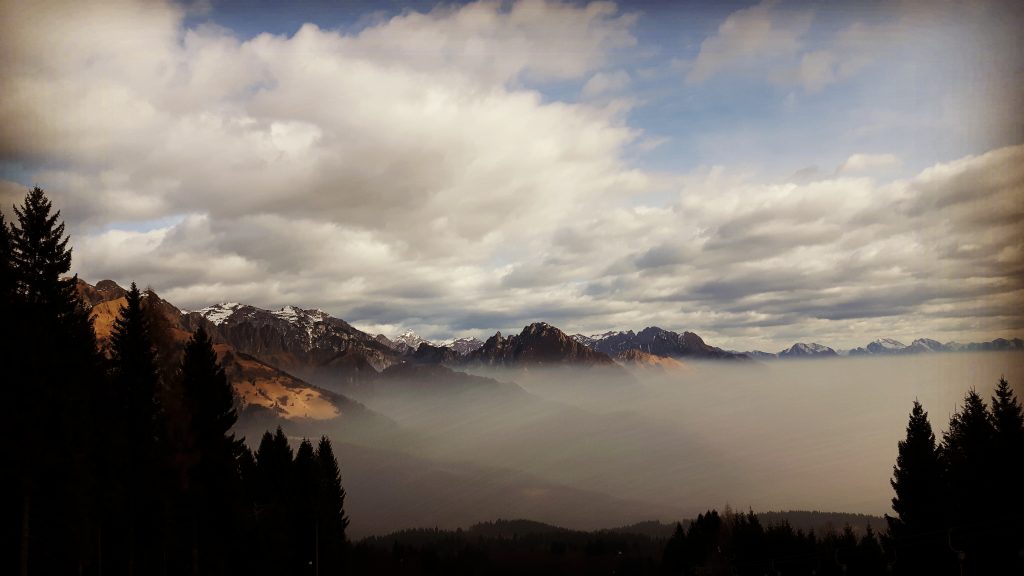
pixel 538 344
pixel 659 342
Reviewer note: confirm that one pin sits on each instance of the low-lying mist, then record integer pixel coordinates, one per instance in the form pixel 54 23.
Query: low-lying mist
pixel 585 449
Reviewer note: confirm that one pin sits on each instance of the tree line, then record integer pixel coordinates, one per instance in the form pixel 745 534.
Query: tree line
pixel 124 462
pixel 958 502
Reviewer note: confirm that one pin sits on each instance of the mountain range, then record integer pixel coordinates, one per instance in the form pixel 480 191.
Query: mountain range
pixel 889 347
pixel 293 362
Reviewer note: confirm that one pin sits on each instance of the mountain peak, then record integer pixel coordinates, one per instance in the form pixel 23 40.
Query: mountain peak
pixel 538 343
pixel 219 313
pixel 803 350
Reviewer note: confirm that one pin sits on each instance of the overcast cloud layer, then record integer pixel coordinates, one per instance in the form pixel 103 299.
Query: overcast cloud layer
pixel 480 166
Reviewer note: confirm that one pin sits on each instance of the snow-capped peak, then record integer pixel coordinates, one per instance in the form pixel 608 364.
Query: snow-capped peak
pixel 219 313
pixel 462 345
pixel 294 314
pixel 889 344
pixel 410 339
pixel 803 349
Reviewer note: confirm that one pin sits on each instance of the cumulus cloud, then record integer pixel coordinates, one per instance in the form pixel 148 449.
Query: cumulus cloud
pixel 410 175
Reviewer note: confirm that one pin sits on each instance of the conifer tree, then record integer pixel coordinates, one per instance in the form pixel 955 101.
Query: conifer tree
pixel 138 434
pixel 52 355
pixel 1008 470
pixel 1008 421
pixel 210 452
pixel 331 520
pixel 967 455
pixel 918 504
pixel 7 279
pixel 305 505
pixel 274 489
pixel 673 560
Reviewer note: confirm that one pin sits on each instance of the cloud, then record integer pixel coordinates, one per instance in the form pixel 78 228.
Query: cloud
pixel 411 174
pixel 749 37
pixel 868 163
pixel 786 46
pixel 604 83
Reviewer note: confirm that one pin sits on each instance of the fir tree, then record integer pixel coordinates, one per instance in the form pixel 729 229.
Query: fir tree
pixel 137 436
pixel 42 255
pixel 967 455
pixel 305 505
pixel 51 352
pixel 917 481
pixel 673 560
pixel 7 278
pixel 1008 421
pixel 274 489
pixel 331 520
pixel 209 452
pixel 1008 470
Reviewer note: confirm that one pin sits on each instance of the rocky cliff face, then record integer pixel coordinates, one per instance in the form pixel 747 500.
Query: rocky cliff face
pixel 538 344
pixel 638 359
pixel 659 342
pixel 292 338
pixel 802 350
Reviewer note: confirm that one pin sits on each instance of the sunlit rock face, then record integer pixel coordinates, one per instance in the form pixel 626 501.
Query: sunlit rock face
pixel 256 383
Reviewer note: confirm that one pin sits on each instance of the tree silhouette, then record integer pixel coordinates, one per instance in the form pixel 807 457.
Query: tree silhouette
pixel 138 434
pixel 274 490
pixel 1008 460
pixel 304 506
pixel 1008 421
pixel 7 270
pixel 968 460
pixel 209 452
pixel 55 361
pixel 330 507
pixel 673 560
pixel 917 481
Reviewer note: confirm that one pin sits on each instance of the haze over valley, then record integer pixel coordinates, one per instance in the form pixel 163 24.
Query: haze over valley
pixel 537 425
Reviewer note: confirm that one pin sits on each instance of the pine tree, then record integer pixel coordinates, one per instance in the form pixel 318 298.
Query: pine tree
pixel 967 455
pixel 138 436
pixel 1008 421
pixel 7 270
pixel 330 507
pixel 135 370
pixel 673 559
pixel 274 489
pixel 1008 470
pixel 209 452
pixel 51 352
pixel 304 506
pixel 42 254
pixel 917 528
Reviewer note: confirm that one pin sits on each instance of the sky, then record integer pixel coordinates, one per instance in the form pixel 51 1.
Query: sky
pixel 759 173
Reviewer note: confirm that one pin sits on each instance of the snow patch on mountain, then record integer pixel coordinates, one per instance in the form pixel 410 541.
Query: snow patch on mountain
pixel 410 339
pixel 463 345
pixel 802 349
pixel 219 313
pixel 885 346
